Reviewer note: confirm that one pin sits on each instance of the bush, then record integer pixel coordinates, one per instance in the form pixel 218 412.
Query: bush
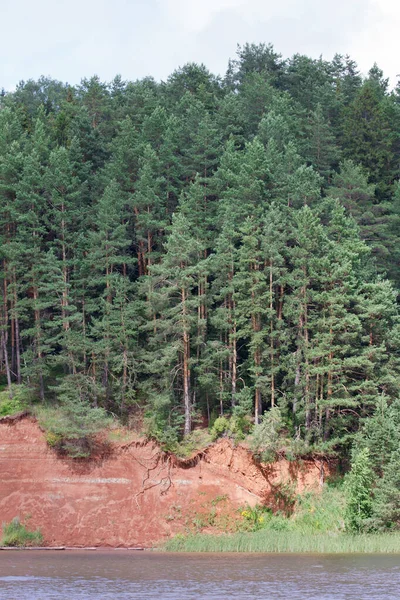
pixel 358 487
pixel 256 517
pixel 198 439
pixel 20 400
pixel 16 534
pixel 236 427
pixel 71 425
pixel 220 427
pixel 160 427
pixel 266 437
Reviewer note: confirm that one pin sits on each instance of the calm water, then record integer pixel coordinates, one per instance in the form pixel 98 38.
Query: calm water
pixel 124 575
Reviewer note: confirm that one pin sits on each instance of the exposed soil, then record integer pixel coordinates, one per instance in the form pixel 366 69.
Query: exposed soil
pixel 134 495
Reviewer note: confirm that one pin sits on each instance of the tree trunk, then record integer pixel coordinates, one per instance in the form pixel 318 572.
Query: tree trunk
pixel 272 358
pixel 186 370
pixel 6 363
pixel 17 334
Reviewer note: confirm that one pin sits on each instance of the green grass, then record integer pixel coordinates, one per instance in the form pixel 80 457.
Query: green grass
pixel 16 534
pixel 195 441
pixel 316 526
pixel 19 402
pixel 286 542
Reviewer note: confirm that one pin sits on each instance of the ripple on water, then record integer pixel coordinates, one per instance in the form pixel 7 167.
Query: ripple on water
pixel 151 576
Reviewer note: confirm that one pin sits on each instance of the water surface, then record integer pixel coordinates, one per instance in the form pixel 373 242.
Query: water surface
pixel 123 575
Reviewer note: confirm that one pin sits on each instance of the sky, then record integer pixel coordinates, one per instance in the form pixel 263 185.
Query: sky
pixel 72 39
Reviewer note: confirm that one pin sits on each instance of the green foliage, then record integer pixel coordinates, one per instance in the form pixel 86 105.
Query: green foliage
pixel 163 428
pixel 255 517
pixel 266 438
pixel 358 487
pixel 220 427
pixel 316 525
pixel 72 425
pixel 320 511
pixel 20 401
pixel 380 434
pixel 197 440
pixel 286 542
pixel 203 247
pixel 16 533
pixel 235 427
pixel 386 507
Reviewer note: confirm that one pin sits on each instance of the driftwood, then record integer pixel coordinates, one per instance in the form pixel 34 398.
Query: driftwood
pixel 7 548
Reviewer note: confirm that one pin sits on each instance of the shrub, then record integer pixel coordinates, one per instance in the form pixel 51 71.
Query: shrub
pixel 159 427
pixel 220 427
pixel 72 424
pixel 20 400
pixel 266 435
pixel 256 517
pixel 358 487
pixel 198 439
pixel 16 534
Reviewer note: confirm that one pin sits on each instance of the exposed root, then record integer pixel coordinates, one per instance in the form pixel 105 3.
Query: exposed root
pixel 164 481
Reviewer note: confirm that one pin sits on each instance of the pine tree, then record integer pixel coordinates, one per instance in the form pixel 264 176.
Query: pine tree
pixel 386 508
pixel 175 305
pixel 322 151
pixel 30 207
pixel 350 185
pixel 252 299
pixel 359 486
pixel 148 203
pixel 367 136
pixel 107 262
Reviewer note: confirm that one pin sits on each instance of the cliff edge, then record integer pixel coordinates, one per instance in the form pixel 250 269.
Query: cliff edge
pixel 133 494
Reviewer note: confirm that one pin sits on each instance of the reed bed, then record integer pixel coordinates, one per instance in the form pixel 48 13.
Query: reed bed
pixel 287 542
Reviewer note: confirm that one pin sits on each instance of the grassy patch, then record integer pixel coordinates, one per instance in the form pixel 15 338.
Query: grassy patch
pixel 119 434
pixel 286 542
pixel 316 525
pixel 319 512
pixel 21 399
pixel 195 441
pixel 15 533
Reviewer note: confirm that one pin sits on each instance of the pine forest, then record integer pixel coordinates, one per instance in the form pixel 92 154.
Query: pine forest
pixel 207 250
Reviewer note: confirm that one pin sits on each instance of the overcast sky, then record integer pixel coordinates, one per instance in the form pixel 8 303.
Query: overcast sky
pixel 72 39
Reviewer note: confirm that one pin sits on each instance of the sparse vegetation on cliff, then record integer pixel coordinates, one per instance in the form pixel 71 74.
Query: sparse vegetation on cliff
pixel 71 428
pixel 16 533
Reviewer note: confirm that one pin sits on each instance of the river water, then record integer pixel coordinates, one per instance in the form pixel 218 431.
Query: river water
pixel 123 575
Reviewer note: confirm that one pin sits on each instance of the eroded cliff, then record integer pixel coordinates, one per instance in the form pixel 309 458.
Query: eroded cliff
pixel 132 495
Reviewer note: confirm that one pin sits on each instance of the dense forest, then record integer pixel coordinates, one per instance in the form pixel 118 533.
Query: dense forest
pixel 176 251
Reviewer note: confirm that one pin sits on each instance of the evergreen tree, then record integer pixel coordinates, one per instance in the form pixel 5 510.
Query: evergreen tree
pixel 367 136
pixel 359 487
pixel 107 263
pixel 175 305
pixel 386 508
pixel 322 151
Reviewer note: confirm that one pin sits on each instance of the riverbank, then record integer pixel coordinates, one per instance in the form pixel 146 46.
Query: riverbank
pixel 132 494
pixel 287 542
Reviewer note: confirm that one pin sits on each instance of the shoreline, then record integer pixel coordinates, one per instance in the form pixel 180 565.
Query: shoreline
pixel 275 542
pixel 261 542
